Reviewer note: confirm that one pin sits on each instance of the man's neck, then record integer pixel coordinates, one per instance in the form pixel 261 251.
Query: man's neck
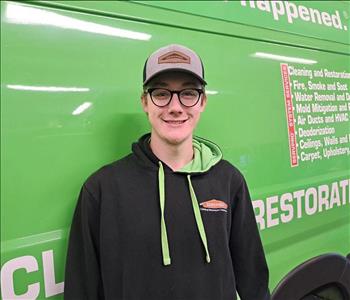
pixel 175 156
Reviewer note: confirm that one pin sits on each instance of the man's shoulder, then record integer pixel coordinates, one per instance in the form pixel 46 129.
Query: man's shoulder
pixel 109 172
pixel 229 170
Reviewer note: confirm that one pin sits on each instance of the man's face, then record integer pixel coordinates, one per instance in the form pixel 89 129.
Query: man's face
pixel 175 122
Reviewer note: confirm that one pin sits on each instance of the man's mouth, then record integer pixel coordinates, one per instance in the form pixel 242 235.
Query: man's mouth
pixel 174 122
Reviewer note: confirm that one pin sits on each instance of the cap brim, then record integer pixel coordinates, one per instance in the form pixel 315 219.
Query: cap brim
pixel 175 69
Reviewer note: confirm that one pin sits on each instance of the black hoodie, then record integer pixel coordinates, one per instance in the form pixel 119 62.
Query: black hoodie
pixel 144 232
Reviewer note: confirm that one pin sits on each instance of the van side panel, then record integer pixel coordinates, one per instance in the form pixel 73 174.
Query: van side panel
pixel 70 89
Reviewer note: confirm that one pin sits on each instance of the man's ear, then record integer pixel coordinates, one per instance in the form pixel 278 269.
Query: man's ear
pixel 203 102
pixel 144 102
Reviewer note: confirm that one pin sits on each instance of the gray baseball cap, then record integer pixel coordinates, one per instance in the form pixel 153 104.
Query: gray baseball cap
pixel 173 57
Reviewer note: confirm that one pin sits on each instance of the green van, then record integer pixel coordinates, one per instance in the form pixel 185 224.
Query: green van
pixel 278 105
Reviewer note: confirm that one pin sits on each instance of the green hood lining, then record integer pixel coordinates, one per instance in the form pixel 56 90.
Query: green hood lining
pixel 206 155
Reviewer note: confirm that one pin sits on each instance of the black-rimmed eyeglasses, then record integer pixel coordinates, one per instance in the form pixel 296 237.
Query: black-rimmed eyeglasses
pixel 162 97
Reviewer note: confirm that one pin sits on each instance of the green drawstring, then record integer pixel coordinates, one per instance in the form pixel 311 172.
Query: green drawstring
pixel 197 215
pixel 198 218
pixel 164 237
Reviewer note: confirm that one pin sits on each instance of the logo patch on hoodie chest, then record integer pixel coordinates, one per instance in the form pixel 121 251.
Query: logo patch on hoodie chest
pixel 214 205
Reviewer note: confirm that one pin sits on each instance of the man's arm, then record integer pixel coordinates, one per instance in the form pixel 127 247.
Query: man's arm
pixel 82 276
pixel 249 263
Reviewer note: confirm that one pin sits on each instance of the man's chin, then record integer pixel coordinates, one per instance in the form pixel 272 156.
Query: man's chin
pixel 176 140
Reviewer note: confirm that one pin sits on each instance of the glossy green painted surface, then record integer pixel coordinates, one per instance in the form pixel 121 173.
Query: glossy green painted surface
pixel 328 20
pixel 70 88
pixel 137 11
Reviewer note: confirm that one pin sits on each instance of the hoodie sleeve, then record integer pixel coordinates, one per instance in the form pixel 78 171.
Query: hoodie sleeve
pixel 248 258
pixel 82 275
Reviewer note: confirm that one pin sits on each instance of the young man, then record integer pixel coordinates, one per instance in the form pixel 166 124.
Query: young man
pixel 172 220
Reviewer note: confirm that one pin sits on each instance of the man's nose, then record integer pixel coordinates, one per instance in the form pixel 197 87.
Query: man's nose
pixel 175 104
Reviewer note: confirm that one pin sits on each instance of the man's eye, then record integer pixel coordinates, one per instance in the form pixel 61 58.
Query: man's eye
pixel 189 93
pixel 161 94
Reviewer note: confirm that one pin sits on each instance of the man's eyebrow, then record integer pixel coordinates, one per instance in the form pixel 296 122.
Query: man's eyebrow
pixel 189 83
pixel 160 83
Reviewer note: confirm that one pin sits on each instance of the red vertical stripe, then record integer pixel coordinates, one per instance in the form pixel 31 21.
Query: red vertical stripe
pixel 290 116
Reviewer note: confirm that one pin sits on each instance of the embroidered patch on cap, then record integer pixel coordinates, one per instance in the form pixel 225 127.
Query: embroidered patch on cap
pixel 174 57
pixel 214 204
